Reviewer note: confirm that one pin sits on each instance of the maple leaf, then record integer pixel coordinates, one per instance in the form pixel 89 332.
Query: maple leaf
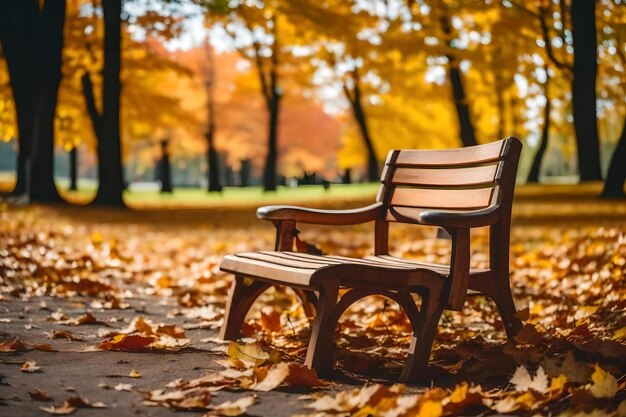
pixel 604 384
pixel 524 382
pixel 271 322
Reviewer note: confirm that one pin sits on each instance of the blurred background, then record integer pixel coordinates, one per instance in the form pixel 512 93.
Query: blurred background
pixel 111 101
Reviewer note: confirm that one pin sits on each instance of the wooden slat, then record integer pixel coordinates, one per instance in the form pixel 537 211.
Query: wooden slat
pixel 443 199
pixel 489 152
pixel 479 175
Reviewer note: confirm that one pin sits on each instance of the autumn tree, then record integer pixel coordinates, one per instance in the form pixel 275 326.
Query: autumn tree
pixel 568 34
pixel 31 35
pixel 255 33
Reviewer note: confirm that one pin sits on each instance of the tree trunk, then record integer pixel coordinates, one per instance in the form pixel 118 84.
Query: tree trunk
pixel 533 175
pixel 372 161
pixel 615 178
pixel 52 20
pixel 73 169
pixel 269 172
pixel 32 41
pixel 584 89
pixel 466 128
pixel 107 124
pixel 359 115
pixel 166 169
pixel 212 159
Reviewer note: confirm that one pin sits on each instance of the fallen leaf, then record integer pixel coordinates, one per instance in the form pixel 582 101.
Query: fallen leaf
pixel 126 342
pixel 523 381
pixel 13 345
pixel 63 334
pixel 604 384
pixel 44 347
pixel 29 366
pixel 275 376
pixel 271 322
pixel 232 408
pixel 40 395
pixel 123 387
pixel 248 352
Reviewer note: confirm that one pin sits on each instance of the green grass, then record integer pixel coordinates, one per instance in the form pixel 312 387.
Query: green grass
pixel 234 196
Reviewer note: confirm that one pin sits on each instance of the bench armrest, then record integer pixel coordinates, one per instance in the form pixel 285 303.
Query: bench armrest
pixel 449 219
pixel 319 216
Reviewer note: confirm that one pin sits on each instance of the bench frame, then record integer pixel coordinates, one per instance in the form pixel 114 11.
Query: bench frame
pixel 437 291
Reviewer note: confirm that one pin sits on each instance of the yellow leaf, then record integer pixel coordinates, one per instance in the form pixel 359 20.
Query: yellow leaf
pixel 604 384
pixel 430 409
pixel 557 384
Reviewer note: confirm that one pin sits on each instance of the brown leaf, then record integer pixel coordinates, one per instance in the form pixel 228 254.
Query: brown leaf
pixel 13 345
pixel 302 376
pixel 271 321
pixel 44 347
pixel 40 395
pixel 63 334
pixel 126 342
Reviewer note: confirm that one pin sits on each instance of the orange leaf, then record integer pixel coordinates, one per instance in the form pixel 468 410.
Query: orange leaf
pixel 13 345
pixel 271 321
pixel 126 342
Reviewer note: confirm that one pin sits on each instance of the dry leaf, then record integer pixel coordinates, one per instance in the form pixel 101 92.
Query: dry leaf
pixel 29 366
pixel 40 395
pixel 604 384
pixel 126 342
pixel 13 345
pixel 523 381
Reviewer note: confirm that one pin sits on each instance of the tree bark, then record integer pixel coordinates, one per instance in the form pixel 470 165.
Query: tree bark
pixel 212 159
pixel 269 172
pixel 533 175
pixel 165 174
pixel 584 89
pixel 467 132
pixel 73 169
pixel 107 125
pixel 32 41
pixel 616 176
pixel 50 43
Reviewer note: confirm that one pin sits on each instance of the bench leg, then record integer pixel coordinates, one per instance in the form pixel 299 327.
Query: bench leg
pixel 319 355
pixel 240 299
pixel 504 301
pixel 423 337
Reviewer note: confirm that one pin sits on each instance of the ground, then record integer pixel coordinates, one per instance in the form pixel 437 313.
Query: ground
pixel 142 292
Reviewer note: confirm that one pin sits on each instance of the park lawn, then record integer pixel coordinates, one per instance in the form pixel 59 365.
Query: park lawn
pixel 235 196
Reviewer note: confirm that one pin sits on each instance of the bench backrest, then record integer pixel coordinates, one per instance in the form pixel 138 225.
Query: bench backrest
pixel 471 178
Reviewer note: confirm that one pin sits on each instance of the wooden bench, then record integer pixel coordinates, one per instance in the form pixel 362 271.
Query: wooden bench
pixel 455 189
